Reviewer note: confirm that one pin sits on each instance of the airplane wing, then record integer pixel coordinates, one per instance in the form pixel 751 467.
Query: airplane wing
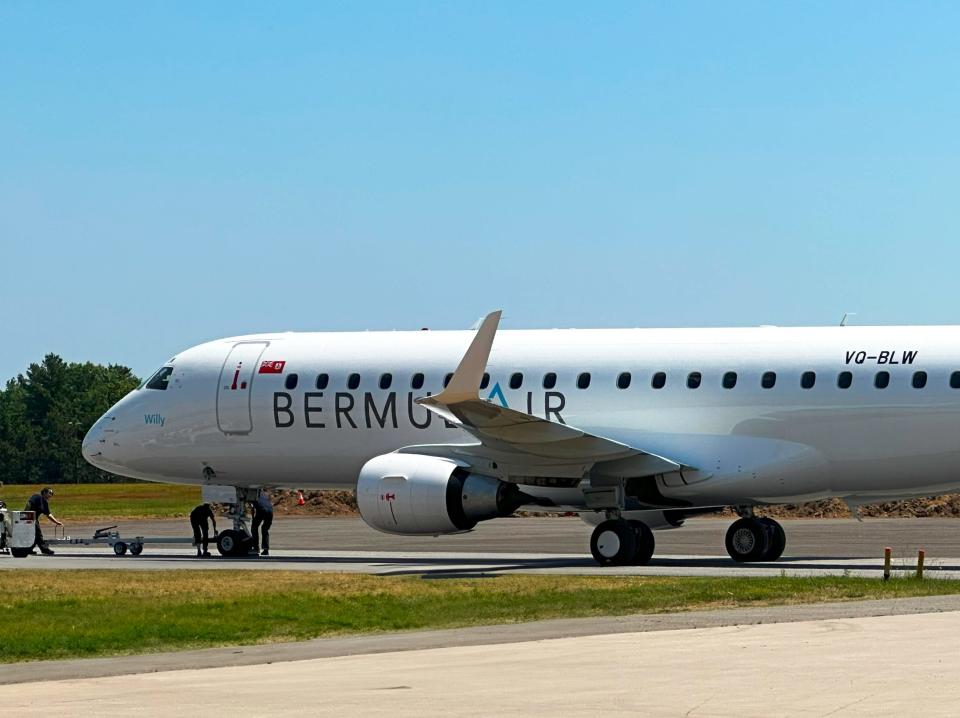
pixel 521 439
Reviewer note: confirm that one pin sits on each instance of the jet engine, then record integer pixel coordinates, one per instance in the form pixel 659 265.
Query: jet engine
pixel 417 494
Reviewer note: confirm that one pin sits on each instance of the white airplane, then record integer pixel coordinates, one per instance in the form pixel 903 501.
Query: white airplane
pixel 633 429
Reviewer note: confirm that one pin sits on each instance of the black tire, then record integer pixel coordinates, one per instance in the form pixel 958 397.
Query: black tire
pixel 777 537
pixel 645 543
pixel 227 542
pixel 119 548
pixel 136 549
pixel 747 540
pixel 20 552
pixel 613 543
pixel 232 543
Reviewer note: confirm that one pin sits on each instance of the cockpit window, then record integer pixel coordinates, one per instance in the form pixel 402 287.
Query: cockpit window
pixel 160 379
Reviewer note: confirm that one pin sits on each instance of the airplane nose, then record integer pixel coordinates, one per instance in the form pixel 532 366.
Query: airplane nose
pixel 87 448
pixel 93 444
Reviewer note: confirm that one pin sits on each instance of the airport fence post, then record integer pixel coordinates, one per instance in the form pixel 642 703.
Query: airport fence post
pixel 887 552
pixel 920 557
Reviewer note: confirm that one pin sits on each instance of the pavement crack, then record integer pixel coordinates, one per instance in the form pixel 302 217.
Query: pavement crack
pixel 700 705
pixel 846 705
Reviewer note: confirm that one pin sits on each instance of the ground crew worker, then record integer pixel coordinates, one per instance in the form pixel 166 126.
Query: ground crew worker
pixel 198 522
pixel 39 504
pixel 262 519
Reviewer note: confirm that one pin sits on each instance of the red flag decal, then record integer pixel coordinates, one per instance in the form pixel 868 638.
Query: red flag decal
pixel 272 367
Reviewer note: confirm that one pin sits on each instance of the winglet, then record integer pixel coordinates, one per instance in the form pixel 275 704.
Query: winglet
pixel 465 383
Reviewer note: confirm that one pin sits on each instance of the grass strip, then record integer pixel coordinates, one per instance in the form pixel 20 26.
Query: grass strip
pixel 109 501
pixel 71 614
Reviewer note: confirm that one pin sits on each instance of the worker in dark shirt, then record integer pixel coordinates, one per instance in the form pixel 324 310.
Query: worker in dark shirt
pixel 198 522
pixel 40 505
pixel 262 519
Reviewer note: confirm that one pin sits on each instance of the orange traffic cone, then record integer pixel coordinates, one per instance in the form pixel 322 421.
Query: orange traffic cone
pixel 300 501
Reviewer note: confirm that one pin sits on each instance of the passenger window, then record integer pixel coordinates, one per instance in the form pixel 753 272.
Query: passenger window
pixel 550 380
pixel 516 380
pixel 161 379
pixel 291 382
pixel 808 379
pixel 623 381
pixel 417 381
pixel 844 380
pixel 659 380
pixel 583 380
pixel 385 381
pixel 919 379
pixel 693 380
pixel 882 380
pixel 768 380
pixel 955 380
pixel 446 379
pixel 484 380
pixel 730 380
pixel 353 381
pixel 322 381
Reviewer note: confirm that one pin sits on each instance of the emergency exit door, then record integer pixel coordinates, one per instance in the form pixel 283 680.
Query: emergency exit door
pixel 233 391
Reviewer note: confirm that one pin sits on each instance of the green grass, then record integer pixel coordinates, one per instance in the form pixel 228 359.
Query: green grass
pixel 66 614
pixel 73 502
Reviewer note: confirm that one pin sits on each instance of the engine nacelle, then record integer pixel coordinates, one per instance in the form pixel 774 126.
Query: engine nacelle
pixel 417 494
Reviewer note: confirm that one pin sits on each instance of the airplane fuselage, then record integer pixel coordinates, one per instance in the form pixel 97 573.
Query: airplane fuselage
pixel 763 415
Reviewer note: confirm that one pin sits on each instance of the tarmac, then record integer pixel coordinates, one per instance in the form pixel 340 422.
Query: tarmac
pixel 535 545
pixel 818 538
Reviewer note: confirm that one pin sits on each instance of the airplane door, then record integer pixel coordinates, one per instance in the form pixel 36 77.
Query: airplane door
pixel 233 390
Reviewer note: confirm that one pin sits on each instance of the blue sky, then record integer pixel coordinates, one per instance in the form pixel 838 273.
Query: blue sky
pixel 176 172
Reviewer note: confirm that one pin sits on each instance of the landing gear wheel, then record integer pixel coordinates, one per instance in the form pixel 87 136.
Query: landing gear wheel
pixel 778 539
pixel 20 552
pixel 645 543
pixel 747 540
pixel 232 543
pixel 119 548
pixel 136 549
pixel 613 543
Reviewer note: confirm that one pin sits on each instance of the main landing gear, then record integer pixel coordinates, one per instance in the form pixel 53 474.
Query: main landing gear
pixel 755 539
pixel 618 542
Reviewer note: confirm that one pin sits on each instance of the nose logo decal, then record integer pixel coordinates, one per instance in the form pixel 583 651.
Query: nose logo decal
pixel 155 419
pixel 236 377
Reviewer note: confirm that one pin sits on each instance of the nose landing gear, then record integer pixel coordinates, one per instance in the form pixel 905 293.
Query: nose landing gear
pixel 233 543
pixel 238 540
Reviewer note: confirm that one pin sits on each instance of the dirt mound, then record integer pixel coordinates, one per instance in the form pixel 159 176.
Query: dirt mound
pixel 947 506
pixel 344 503
pixel 316 503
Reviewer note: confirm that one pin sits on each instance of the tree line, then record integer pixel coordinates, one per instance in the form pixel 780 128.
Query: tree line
pixel 45 413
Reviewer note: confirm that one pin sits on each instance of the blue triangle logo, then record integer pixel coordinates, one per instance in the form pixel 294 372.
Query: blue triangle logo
pixel 497 393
